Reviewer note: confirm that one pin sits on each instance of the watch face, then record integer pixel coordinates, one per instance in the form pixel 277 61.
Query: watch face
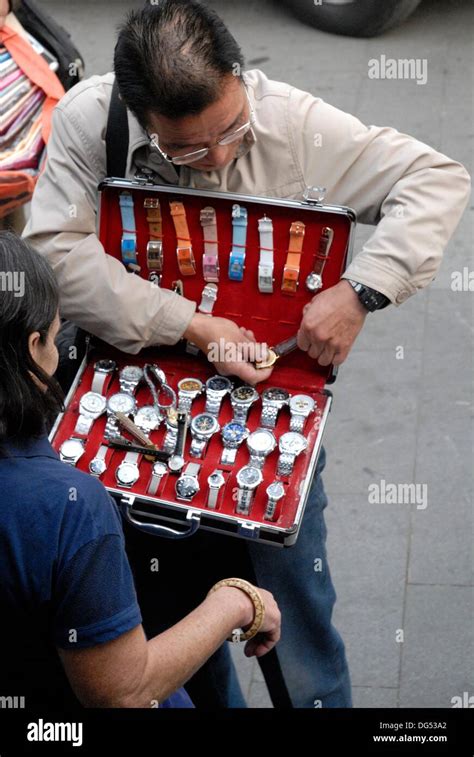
pixel 97 466
pixel 121 403
pixel 204 423
pixel 292 442
pixel 275 490
pixel 249 476
pixel 219 384
pixel 244 393
pixel 302 404
pixel 176 462
pixel 147 417
pixel 187 487
pixel 190 385
pixel 105 366
pixel 72 448
pixel 261 441
pixel 216 479
pixel 276 394
pixel 159 469
pixel 234 432
pixel 128 473
pixel 131 373
pixel 92 402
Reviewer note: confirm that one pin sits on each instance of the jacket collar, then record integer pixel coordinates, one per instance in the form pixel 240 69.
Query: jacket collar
pixel 33 447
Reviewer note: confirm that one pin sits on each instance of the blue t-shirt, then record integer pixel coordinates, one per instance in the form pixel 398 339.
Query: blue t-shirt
pixel 65 579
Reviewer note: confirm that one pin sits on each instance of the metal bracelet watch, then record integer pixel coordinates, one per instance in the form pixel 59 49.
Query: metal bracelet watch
pixel 158 472
pixel 188 389
pixel 301 406
pixel 242 398
pixel 248 479
pixel 72 450
pixel 260 444
pixel 215 482
pixel 370 298
pixel 91 406
pixel 265 265
pixel 275 492
pixel 314 281
pixel 239 238
pixel 103 372
pixel 176 461
pixel 291 444
pixel 128 246
pixel 233 434
pixel 128 472
pixel 148 418
pixel 291 271
pixel 129 378
pixel 273 400
pixel 121 402
pixel 187 485
pixel 210 261
pixel 216 389
pixel 203 427
pixel 169 442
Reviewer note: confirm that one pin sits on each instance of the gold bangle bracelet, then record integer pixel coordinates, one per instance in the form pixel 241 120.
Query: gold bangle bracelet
pixel 259 607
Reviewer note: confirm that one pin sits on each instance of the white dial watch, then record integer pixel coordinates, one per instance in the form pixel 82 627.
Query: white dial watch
pixel 129 378
pixel 128 472
pixel 301 406
pixel 91 407
pixel 121 402
pixel 275 492
pixel 71 450
pixel 290 445
pixel 147 418
pixel 159 471
pixel 215 482
pixel 260 444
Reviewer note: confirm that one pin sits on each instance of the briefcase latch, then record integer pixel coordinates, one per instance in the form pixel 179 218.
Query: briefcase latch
pixel 314 195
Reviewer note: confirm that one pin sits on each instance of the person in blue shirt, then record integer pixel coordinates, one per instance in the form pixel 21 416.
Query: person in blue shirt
pixel 71 633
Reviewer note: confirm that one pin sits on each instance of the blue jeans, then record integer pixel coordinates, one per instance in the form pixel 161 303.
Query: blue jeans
pixel 308 667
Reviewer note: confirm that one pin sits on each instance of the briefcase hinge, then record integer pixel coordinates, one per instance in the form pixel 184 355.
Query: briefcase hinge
pixel 314 195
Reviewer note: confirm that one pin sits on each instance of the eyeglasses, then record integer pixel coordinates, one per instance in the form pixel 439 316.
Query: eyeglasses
pixel 192 157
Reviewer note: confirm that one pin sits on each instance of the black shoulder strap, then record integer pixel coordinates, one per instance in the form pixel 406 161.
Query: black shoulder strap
pixel 117 136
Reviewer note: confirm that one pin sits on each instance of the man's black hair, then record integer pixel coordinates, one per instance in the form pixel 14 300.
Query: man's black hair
pixel 26 409
pixel 171 58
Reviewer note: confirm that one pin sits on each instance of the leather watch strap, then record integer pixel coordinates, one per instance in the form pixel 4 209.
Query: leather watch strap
pixel 291 270
pixel 154 248
pixel 184 250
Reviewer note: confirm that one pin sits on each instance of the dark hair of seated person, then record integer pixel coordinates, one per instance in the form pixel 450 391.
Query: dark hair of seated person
pixel 26 408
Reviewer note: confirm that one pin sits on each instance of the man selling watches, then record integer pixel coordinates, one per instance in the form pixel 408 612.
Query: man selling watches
pixel 195 119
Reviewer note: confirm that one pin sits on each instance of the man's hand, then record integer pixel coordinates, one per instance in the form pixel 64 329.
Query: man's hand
pixel 233 350
pixel 330 324
pixel 4 11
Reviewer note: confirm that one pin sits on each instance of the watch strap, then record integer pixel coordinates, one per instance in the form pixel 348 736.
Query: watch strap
pixel 192 469
pixel 154 248
pixel 214 492
pixel 228 455
pixel 239 238
pixel 83 425
pixel 128 245
pixel 297 422
pixel 291 270
pixel 210 261
pixel 285 464
pixel 184 250
pixel 269 415
pixel 266 264
pixel 155 482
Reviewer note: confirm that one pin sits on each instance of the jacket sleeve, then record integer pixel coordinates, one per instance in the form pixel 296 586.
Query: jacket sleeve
pixel 96 291
pixel 412 193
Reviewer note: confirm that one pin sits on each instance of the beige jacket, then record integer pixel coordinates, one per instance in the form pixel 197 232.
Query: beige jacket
pixel 413 194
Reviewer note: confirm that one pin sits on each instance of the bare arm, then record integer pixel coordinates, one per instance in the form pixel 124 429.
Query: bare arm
pixel 133 672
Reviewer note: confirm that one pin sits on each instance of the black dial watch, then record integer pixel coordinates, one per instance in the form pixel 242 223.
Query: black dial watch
pixel 370 298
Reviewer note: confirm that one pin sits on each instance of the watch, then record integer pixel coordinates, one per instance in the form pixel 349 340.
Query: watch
pixel 128 244
pixel 159 470
pixel 273 400
pixel 154 248
pixel 147 418
pixel 260 444
pixel 129 378
pixel 72 450
pixel 121 402
pixel 91 407
pixel 128 472
pixel 370 298
pixel 265 265
pixel 215 482
pixel 210 261
pixel 98 464
pixel 291 271
pixel 233 434
pixel 103 370
pixel 150 371
pixel 184 250
pixel 188 390
pixel 239 238
pixel 187 485
pixel 242 398
pixel 301 406
pixel 203 426
pixel 169 443
pixel 290 445
pixel 176 461
pixel 216 389
pixel 314 280
pixel 206 306
pixel 248 478
pixel 275 492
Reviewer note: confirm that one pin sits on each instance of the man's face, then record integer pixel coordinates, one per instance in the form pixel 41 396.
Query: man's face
pixel 184 135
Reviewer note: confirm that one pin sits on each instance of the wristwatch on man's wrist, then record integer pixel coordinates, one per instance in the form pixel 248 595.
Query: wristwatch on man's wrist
pixel 369 298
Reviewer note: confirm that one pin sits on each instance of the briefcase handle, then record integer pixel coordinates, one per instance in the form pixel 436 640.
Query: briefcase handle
pixel 192 516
